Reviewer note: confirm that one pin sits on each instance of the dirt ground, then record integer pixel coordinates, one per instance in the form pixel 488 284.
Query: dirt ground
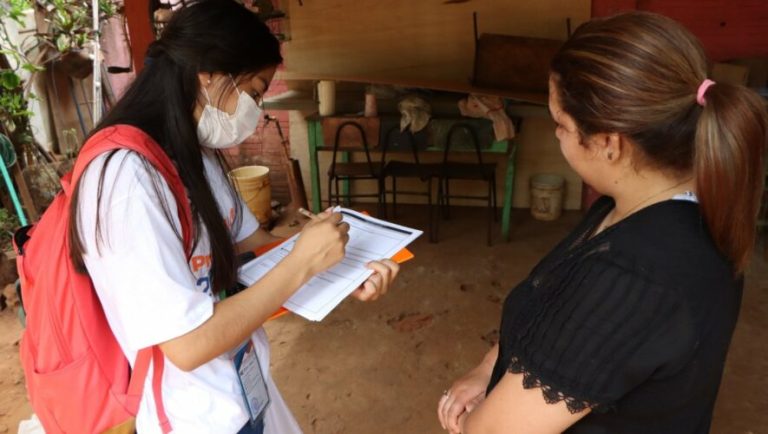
pixel 380 367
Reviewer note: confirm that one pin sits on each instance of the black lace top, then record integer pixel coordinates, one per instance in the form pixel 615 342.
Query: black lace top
pixel 633 323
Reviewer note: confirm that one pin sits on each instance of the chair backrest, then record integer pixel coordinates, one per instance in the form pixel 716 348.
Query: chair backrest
pixel 455 128
pixel 409 139
pixel 363 142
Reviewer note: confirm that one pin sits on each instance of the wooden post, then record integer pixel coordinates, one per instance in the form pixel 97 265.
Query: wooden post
pixel 139 30
pixel 26 197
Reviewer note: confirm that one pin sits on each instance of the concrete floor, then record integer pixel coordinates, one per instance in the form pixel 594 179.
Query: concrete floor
pixel 379 368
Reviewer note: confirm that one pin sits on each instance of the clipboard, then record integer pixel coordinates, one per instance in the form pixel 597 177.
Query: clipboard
pixel 403 255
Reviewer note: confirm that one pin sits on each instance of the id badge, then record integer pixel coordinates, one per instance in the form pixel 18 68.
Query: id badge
pixel 251 381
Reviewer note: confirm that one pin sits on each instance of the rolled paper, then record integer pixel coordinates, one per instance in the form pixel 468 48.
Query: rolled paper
pixel 326 95
pixel 370 105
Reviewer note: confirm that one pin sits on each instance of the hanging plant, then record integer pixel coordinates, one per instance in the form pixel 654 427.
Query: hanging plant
pixel 70 33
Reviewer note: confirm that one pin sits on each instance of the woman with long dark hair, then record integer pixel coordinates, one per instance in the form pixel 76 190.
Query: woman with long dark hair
pixel 199 92
pixel 624 327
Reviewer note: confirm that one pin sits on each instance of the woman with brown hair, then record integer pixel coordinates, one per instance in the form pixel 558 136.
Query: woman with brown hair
pixel 624 327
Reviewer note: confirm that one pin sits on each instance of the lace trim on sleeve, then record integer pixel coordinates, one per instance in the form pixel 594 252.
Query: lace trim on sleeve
pixel 552 394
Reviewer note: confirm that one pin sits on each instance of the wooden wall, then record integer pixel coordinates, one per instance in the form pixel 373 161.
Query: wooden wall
pixel 727 29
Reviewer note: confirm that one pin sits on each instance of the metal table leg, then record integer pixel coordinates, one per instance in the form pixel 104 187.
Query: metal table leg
pixel 313 130
pixel 509 189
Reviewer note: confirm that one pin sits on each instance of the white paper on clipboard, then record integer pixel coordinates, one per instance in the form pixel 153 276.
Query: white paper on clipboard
pixel 370 239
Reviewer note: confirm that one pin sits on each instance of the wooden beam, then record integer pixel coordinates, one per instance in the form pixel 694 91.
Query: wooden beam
pixel 139 30
pixel 458 86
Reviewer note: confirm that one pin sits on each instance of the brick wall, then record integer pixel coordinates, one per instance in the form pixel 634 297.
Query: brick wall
pixel 264 147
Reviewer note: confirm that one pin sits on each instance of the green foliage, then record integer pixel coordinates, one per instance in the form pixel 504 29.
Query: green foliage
pixel 70 27
pixel 14 112
pixel 8 225
pixel 71 22
pixel 13 10
pixel 13 105
pixel 32 68
pixel 9 80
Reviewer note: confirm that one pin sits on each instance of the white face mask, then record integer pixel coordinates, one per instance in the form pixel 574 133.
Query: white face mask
pixel 218 129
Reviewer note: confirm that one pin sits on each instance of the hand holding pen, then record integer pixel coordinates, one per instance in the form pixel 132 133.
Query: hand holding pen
pixel 308 214
pixel 322 241
pixel 384 270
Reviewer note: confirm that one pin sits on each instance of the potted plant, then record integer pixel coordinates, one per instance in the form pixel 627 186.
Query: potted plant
pixel 70 33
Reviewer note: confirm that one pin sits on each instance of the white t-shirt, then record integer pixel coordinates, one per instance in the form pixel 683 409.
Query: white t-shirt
pixel 150 293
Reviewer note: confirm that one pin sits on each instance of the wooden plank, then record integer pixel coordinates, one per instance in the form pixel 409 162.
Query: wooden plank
pixel 64 114
pixel 465 86
pixel 514 62
pixel 139 29
pixel 605 8
pixel 406 39
pixel 728 30
pixel 26 197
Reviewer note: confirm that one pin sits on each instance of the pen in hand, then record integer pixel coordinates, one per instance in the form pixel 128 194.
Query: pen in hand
pixel 313 216
pixel 308 214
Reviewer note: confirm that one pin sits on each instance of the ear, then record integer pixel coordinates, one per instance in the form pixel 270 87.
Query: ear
pixel 205 79
pixel 608 147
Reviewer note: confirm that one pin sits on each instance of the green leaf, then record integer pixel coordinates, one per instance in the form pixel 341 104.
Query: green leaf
pixel 80 40
pixel 108 8
pixel 31 67
pixel 9 80
pixel 62 19
pixel 63 43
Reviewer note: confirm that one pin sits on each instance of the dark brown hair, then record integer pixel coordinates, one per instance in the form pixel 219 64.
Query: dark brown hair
pixel 637 74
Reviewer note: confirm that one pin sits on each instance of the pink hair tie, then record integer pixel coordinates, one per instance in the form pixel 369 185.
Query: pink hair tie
pixel 702 90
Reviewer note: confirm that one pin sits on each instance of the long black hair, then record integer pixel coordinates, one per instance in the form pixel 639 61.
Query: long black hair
pixel 212 36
